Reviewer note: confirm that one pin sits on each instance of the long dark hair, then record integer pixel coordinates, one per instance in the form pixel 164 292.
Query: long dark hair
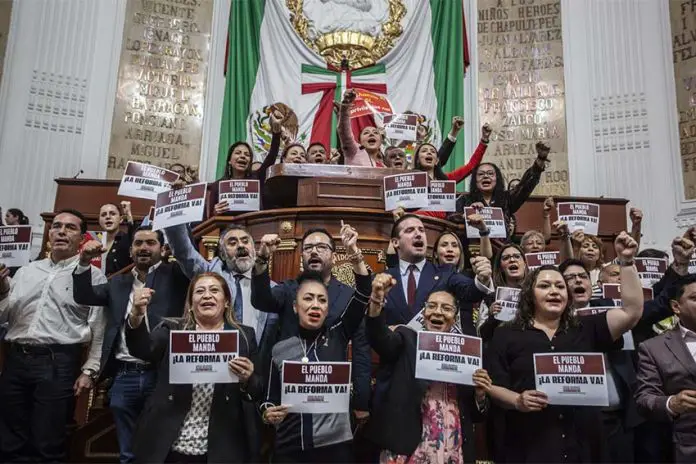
pixel 23 220
pixel 498 191
pixel 460 264
pixel 527 307
pixel 228 168
pixel 499 279
pixel 438 174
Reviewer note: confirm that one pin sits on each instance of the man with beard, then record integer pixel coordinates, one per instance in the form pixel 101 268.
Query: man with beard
pixel 318 249
pixel 235 260
pixel 621 421
pixel 47 334
pixel 134 379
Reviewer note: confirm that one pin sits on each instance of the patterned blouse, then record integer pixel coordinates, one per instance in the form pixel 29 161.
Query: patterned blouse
pixel 441 442
pixel 193 436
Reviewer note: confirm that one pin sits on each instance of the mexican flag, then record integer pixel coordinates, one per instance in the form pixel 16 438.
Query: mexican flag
pixel 269 60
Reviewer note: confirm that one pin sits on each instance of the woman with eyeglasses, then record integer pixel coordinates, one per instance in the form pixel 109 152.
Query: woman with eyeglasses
pixel 509 270
pixel 316 437
pixel 536 431
pixel 420 420
pixel 487 186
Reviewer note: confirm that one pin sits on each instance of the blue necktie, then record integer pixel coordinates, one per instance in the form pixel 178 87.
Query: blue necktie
pixel 238 299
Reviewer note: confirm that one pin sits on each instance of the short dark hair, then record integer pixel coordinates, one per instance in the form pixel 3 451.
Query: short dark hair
pixel 310 276
pixel 677 289
pixel 316 143
pixel 118 208
pixel 571 262
pixel 396 228
pixel 652 253
pixel 319 230
pixel 77 214
pixel 148 228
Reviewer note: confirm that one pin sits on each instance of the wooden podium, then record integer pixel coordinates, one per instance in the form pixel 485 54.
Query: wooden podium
pixel 302 196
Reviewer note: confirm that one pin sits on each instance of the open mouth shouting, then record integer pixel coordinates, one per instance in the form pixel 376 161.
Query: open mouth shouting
pixel 436 323
pixel 315 263
pixel 449 258
pixel 514 269
pixel 143 256
pixel 242 253
pixel 314 316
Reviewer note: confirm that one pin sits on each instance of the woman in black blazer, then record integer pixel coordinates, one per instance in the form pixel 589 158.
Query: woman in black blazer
pixel 200 422
pixel 435 419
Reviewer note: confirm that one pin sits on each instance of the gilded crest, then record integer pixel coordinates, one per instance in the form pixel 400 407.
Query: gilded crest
pixel 361 31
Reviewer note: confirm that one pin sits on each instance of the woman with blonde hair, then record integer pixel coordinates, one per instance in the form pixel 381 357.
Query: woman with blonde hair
pixel 199 422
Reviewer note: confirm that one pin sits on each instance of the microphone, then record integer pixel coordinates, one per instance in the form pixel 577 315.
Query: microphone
pixel 78 174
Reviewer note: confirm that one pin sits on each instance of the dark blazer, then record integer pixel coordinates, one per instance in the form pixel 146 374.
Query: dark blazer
pixel 280 300
pixel 118 256
pixel 665 367
pixel 233 435
pixel 433 278
pixel 397 422
pixel 170 285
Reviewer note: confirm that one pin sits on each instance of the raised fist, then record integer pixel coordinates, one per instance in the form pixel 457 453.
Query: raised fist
pixel 381 285
pixel 482 268
pixel 682 250
pixel 548 205
pixel 690 234
pixel 457 125
pixel 636 216
pixel 276 121
pixel 578 237
pixel 221 207
pixel 561 227
pixel 126 209
pixel 349 97
pixel 141 298
pixel 269 243
pixel 486 132
pixel 625 246
pixel 476 221
pixel 90 250
pixel 543 151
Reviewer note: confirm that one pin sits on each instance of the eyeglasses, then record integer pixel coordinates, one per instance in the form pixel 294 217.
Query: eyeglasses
pixel 445 308
pixel 485 174
pixel 515 256
pixel 579 275
pixel 321 247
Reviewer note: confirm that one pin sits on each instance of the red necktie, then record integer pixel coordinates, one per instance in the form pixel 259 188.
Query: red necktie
pixel 411 289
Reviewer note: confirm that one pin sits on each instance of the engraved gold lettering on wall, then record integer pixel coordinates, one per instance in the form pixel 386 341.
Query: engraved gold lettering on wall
pixel 521 87
pixel 5 12
pixel 683 18
pixel 158 116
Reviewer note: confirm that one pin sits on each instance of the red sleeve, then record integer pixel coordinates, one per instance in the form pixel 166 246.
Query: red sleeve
pixel 460 174
pixel 437 214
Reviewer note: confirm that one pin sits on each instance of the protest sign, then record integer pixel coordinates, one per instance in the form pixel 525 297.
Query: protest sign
pixel 509 299
pixel 572 379
pixel 406 191
pixel 544 258
pixel 182 206
pixel 447 357
pixel 241 195
pixel 15 245
pixel 142 180
pixel 400 126
pixel 442 196
pixel 201 357
pixel 316 387
pixel 580 216
pixel 492 217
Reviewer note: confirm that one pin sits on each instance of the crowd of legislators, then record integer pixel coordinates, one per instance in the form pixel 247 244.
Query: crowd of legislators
pixel 53 307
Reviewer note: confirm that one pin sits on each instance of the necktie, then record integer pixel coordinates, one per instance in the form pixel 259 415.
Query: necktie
pixel 411 289
pixel 238 299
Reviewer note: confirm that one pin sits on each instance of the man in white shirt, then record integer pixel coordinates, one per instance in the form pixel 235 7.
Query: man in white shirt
pixel 134 379
pixel 46 333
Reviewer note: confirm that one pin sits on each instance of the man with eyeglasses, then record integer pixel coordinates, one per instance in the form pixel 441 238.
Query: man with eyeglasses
pixel 44 367
pixel 317 247
pixel 621 420
pixel 236 254
pixel 395 158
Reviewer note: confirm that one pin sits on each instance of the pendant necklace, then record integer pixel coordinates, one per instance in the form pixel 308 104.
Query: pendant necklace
pixel 303 344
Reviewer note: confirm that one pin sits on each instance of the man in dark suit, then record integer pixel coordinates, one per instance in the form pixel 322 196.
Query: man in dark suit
pixel 667 373
pixel 318 248
pixel 134 378
pixel 416 277
pixel 622 421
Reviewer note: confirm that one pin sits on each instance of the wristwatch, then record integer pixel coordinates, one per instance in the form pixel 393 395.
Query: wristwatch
pixel 91 373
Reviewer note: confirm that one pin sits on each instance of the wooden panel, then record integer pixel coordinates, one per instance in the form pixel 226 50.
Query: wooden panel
pixel 363 193
pixel 87 196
